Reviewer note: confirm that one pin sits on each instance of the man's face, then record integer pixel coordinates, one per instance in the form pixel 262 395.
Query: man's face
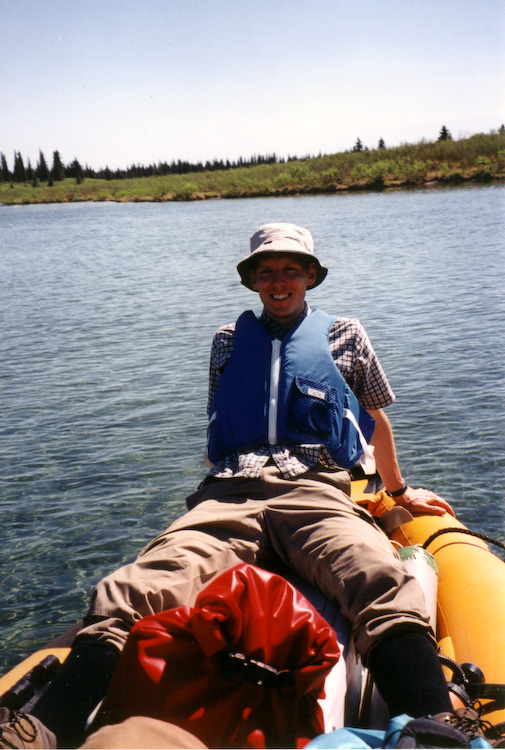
pixel 281 279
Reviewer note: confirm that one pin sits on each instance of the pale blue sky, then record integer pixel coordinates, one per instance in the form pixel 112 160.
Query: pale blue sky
pixel 117 82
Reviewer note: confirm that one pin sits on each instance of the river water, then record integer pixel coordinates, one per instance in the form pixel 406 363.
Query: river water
pixel 107 313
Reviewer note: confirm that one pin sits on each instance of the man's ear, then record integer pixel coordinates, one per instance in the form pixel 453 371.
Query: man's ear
pixel 252 279
pixel 311 273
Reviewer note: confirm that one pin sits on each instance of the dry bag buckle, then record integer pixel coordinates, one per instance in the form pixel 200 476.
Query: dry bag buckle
pixel 251 670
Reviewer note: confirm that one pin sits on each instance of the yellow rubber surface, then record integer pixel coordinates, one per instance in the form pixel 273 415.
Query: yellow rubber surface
pixel 21 669
pixel 470 600
pixel 471 594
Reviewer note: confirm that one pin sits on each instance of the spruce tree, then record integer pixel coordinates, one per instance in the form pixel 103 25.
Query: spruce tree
pixel 42 169
pixel 5 174
pixel 57 172
pixel 75 170
pixel 29 171
pixel 19 168
pixel 358 146
pixel 444 134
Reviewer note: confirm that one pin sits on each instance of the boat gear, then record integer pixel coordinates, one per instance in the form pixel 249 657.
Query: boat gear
pixel 31 684
pixel 468 683
pixel 403 731
pixel 287 392
pixel 423 566
pixel 252 670
pixel 242 668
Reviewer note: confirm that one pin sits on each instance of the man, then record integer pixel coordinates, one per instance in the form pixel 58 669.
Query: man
pixel 287 421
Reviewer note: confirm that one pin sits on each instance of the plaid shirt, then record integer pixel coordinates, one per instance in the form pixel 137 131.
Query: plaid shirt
pixel 354 356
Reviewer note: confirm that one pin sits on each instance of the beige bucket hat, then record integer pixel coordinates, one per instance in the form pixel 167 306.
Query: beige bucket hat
pixel 282 238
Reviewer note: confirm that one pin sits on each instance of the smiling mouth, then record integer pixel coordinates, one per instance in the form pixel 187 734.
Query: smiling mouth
pixel 280 296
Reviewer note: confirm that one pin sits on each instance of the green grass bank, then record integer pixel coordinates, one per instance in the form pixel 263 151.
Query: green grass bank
pixel 480 157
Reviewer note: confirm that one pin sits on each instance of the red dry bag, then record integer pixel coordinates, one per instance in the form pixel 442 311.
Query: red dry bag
pixel 243 668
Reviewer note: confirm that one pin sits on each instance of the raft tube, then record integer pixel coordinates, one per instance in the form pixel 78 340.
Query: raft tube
pixel 470 602
pixel 470 597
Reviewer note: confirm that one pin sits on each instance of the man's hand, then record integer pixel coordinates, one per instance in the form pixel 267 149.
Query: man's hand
pixel 423 501
pixel 414 500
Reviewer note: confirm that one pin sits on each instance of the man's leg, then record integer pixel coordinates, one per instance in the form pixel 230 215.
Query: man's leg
pixel 408 675
pixel 169 572
pixel 335 545
pixel 169 575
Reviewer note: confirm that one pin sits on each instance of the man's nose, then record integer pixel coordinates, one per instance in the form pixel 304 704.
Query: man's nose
pixel 279 277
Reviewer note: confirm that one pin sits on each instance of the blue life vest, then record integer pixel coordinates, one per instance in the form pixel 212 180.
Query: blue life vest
pixel 287 392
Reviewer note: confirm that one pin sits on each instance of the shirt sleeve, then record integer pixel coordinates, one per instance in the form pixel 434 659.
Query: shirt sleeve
pixel 222 347
pixel 356 359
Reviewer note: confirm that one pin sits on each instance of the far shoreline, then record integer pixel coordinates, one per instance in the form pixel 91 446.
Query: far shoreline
pixel 479 159
pixel 430 185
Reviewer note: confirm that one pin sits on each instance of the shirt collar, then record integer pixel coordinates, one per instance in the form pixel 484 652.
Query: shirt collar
pixel 275 330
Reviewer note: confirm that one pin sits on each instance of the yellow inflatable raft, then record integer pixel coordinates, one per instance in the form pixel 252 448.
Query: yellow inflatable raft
pixel 470 604
pixel 470 597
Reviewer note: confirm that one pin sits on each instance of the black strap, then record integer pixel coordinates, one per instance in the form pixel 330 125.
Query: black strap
pixel 494 692
pixel 25 688
pixel 499 728
pixel 468 684
pixel 469 532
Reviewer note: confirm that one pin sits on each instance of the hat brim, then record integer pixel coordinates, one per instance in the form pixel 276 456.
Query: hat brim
pixel 244 267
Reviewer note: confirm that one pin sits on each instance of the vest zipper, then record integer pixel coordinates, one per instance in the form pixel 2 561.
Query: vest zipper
pixel 275 369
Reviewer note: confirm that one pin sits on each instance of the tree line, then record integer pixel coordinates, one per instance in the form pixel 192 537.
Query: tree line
pixel 58 171
pixel 41 172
